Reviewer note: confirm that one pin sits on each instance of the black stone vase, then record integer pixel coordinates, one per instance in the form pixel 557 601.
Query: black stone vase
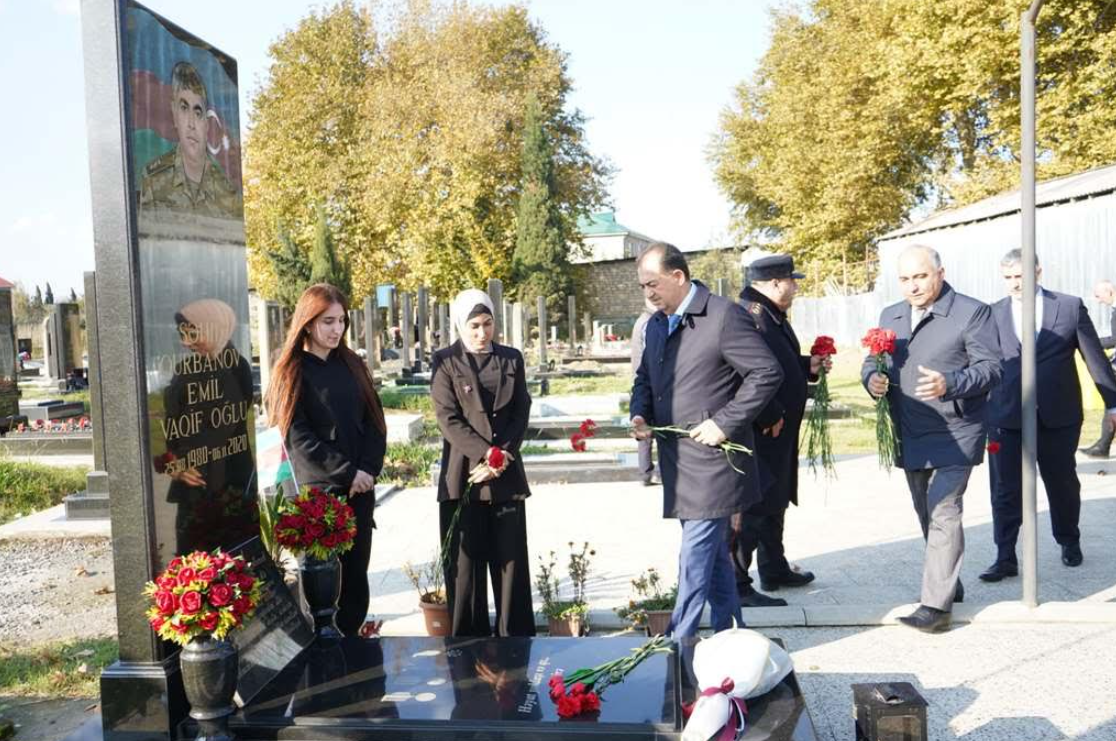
pixel 209 671
pixel 321 587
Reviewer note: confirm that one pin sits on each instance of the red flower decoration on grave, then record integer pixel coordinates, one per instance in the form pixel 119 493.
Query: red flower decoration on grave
pixel 186 605
pixel 315 523
pixel 993 447
pixel 577 442
pixel 583 695
pixel 588 428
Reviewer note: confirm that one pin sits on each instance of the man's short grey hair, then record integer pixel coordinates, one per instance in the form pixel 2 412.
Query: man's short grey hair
pixel 930 252
pixel 1015 257
pixel 670 257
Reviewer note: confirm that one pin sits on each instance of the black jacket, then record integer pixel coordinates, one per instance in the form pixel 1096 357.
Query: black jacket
pixel 332 434
pixel 469 430
pixel 777 457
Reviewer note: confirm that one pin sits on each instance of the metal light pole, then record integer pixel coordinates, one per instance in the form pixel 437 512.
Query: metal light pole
pixel 1029 408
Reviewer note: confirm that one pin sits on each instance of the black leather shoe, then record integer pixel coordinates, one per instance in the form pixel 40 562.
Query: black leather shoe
pixel 928 620
pixel 652 480
pixel 1096 450
pixel 1071 555
pixel 789 579
pixel 751 598
pixel 959 593
pixel 999 571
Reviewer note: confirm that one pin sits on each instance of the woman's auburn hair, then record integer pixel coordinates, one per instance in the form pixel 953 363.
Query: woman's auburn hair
pixel 284 391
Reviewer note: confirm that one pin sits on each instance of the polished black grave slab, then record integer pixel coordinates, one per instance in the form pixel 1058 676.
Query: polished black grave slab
pixel 406 689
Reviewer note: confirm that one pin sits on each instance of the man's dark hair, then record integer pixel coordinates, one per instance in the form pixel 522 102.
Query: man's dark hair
pixel 670 258
pixel 185 76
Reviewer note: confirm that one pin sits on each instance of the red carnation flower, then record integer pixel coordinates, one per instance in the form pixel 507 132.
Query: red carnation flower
pixel 577 442
pixel 993 447
pixel 577 688
pixel 495 457
pixel 190 602
pixel 588 428
pixel 823 346
pixel 590 702
pixel 879 341
pixel 569 706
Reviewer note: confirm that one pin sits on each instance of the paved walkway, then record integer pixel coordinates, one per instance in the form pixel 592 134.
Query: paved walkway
pixel 857 533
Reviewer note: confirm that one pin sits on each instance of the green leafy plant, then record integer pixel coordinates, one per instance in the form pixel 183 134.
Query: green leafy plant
pixel 549 588
pixel 649 597
pixel 29 487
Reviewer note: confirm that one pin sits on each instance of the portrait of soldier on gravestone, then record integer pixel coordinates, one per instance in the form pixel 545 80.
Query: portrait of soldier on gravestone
pixel 188 178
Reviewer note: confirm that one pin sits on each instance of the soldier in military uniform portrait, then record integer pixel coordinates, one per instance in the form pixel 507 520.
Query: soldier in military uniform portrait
pixel 187 178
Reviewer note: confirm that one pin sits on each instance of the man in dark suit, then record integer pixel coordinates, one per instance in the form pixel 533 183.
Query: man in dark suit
pixel 706 369
pixel 1105 293
pixel 946 359
pixel 1064 329
pixel 767 300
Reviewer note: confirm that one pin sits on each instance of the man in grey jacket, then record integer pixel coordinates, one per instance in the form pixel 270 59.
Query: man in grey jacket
pixel 639 334
pixel 706 369
pixel 947 357
pixel 1105 293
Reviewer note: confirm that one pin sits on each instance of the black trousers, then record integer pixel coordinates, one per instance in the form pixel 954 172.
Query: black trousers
pixel 765 533
pixel 352 607
pixel 1057 465
pixel 489 541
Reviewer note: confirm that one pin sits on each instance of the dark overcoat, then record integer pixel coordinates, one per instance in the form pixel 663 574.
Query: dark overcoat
pixel 957 338
pixel 469 430
pixel 1066 328
pixel 777 457
pixel 714 366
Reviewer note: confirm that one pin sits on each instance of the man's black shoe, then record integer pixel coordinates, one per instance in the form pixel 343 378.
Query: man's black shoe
pixel 1096 450
pixel 652 480
pixel 788 579
pixel 959 593
pixel 999 571
pixel 1071 554
pixel 751 598
pixel 927 619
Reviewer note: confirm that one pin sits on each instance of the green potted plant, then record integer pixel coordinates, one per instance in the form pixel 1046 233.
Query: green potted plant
pixel 428 582
pixel 651 607
pixel 565 617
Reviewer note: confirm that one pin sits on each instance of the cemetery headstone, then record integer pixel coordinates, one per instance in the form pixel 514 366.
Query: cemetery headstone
pixel 571 317
pixel 407 328
pixel 543 333
pixel 173 334
pixel 372 331
pixel 518 330
pixel 443 326
pixel 496 293
pixel 9 363
pixel 423 326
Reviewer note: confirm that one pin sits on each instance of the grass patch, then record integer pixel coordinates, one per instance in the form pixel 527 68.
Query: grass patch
pixel 30 487
pixel 71 669
pixel 408 464
pixel 393 398
pixel 536 450
pixel 610 384
pixel 29 394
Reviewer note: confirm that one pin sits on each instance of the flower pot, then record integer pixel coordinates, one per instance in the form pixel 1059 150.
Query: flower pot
pixel 658 621
pixel 566 627
pixel 209 672
pixel 437 617
pixel 321 587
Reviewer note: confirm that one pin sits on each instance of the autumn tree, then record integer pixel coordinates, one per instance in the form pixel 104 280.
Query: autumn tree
pixel 325 265
pixel 291 269
pixel 411 137
pixel 862 110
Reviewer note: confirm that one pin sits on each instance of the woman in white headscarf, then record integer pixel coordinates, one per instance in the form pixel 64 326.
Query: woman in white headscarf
pixel 480 396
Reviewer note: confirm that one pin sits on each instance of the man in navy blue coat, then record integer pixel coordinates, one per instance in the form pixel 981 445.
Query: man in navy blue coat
pixel 937 381
pixel 705 368
pixel 1064 329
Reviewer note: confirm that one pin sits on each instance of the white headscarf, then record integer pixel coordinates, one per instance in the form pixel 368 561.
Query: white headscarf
pixel 463 305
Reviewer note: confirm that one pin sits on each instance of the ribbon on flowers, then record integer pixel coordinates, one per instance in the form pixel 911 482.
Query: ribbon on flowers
pixel 736 709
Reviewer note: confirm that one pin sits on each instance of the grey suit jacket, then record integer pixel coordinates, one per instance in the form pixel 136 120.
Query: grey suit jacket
pixel 716 366
pixel 1066 329
pixel 957 338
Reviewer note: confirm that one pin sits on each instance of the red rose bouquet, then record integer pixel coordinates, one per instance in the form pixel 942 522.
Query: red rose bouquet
pixel 819 444
pixel 316 524
pixel 201 594
pixel 579 692
pixel 495 458
pixel 881 345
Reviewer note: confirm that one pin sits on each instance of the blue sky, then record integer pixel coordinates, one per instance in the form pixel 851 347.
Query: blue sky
pixel 652 76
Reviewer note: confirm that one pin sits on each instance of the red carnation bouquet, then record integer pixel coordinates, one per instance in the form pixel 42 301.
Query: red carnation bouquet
pixel 495 458
pixel 316 524
pixel 819 444
pixel 578 440
pixel 201 594
pixel 579 692
pixel 881 345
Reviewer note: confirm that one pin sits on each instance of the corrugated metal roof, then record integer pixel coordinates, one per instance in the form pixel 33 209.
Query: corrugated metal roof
pixel 1090 183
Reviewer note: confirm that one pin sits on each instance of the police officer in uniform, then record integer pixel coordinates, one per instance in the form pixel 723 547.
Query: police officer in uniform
pixel 766 301
pixel 187 178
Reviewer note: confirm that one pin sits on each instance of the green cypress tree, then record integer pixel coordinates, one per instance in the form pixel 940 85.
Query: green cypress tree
pixel 540 264
pixel 325 267
pixel 292 269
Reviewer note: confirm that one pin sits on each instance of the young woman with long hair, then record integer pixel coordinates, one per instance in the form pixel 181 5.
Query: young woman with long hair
pixel 479 389
pixel 322 400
